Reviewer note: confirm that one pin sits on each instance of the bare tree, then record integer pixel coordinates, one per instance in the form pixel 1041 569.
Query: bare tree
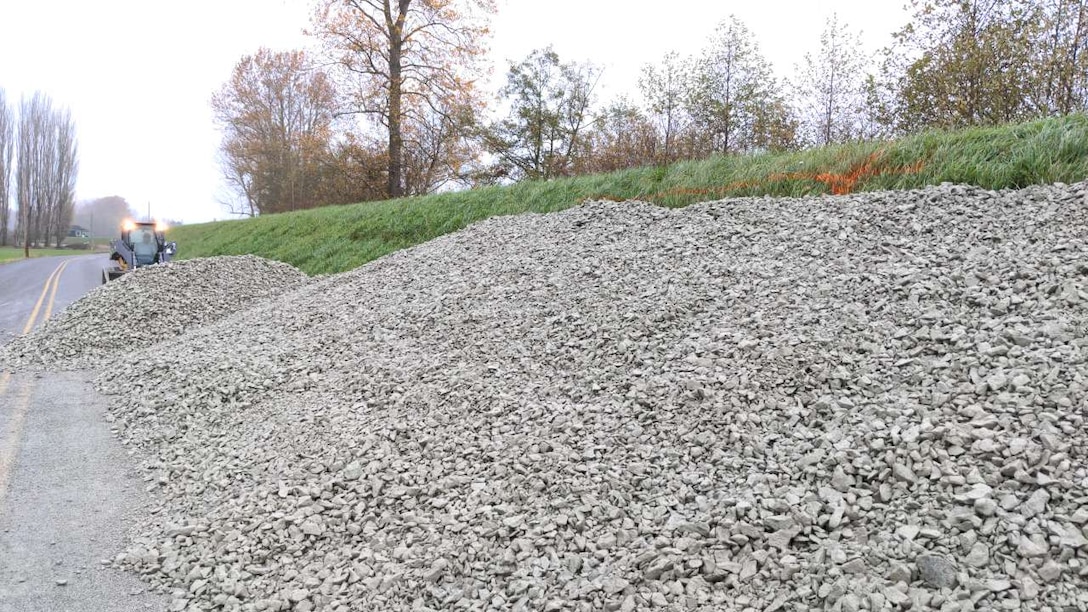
pixel 33 141
pixel 45 171
pixel 7 150
pixel 439 150
pixel 241 197
pixel 664 88
pixel 831 86
pixel 410 57
pixel 65 168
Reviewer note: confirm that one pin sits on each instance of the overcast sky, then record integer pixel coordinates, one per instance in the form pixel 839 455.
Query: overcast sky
pixel 138 74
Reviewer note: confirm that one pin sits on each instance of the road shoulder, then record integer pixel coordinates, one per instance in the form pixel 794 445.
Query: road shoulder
pixel 69 498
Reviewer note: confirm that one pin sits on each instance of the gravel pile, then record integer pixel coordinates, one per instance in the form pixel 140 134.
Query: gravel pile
pixel 148 306
pixel 866 402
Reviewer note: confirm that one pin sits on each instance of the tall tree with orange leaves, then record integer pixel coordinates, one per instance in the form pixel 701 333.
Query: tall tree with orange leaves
pixel 413 61
pixel 277 113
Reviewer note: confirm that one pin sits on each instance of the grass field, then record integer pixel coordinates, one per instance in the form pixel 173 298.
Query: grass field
pixel 338 238
pixel 15 253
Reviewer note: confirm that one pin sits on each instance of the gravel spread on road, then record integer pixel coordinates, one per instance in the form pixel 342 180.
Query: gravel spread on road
pixel 865 402
pixel 148 306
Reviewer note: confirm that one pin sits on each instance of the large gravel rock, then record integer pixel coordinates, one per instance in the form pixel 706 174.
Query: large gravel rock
pixel 148 306
pixel 865 402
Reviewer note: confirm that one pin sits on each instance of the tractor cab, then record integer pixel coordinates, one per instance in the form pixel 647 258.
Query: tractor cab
pixel 144 243
pixel 141 244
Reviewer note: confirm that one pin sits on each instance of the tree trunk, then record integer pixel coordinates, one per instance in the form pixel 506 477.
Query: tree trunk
pixel 26 230
pixel 396 139
pixel 396 142
pixel 829 112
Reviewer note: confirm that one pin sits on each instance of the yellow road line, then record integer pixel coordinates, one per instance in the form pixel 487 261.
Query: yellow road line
pixel 53 293
pixel 41 299
pixel 12 441
pixel 5 377
pixel 9 452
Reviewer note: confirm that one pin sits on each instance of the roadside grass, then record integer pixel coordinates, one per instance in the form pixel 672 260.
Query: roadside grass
pixel 338 238
pixel 8 254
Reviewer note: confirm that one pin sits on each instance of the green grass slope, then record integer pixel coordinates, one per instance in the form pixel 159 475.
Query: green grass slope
pixel 339 238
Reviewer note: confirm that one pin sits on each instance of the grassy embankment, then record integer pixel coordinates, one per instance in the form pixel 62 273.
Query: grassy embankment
pixel 338 238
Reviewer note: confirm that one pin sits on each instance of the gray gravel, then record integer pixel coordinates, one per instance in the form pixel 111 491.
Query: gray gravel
pixel 853 403
pixel 148 306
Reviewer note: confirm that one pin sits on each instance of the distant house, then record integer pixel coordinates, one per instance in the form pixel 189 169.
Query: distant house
pixel 79 232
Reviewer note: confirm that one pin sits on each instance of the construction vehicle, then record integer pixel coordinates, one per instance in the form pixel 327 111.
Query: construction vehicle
pixel 141 244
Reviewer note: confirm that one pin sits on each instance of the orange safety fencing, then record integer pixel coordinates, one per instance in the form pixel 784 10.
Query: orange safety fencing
pixel 838 184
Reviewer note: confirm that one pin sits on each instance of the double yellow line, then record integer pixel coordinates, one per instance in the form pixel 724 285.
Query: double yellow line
pixel 50 288
pixel 10 450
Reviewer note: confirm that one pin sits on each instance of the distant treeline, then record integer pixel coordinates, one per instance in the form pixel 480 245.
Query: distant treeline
pixel 390 107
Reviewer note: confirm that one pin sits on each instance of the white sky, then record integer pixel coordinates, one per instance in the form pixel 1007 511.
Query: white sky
pixel 138 74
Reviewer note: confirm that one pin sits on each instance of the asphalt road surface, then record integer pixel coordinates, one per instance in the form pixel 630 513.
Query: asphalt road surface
pixel 66 484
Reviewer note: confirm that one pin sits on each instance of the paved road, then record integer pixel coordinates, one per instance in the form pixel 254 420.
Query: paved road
pixel 21 284
pixel 66 485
